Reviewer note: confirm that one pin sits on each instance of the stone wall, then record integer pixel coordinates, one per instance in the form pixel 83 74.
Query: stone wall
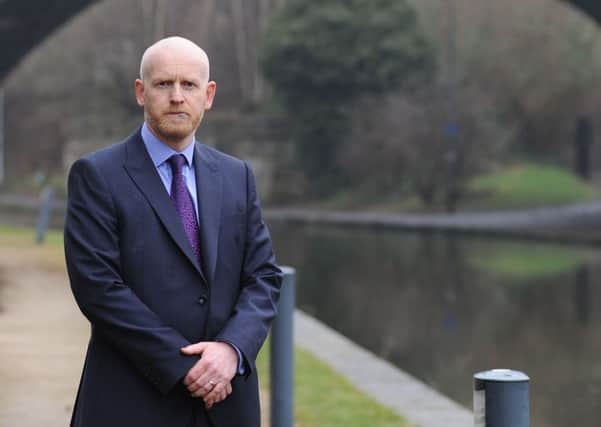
pixel 261 141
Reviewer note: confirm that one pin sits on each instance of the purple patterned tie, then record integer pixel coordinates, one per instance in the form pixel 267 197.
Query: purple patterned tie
pixel 183 203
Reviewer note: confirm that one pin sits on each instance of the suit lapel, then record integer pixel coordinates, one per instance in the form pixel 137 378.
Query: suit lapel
pixel 140 168
pixel 209 192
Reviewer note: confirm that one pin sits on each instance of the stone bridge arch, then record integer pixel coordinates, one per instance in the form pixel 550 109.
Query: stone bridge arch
pixel 25 23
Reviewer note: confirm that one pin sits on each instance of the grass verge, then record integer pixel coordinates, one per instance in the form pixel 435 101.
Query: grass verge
pixel 522 186
pixel 16 242
pixel 528 186
pixel 25 236
pixel 323 398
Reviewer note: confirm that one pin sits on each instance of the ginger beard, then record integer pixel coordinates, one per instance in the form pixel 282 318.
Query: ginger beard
pixel 172 125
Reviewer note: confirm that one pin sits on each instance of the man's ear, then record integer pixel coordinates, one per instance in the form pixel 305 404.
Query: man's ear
pixel 139 89
pixel 211 89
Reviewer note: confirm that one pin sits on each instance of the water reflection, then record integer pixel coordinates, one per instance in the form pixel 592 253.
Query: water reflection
pixel 443 308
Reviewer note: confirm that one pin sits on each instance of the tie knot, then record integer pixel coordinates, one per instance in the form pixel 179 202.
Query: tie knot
pixel 177 161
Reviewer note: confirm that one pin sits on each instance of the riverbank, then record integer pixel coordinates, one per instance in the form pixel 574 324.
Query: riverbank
pixel 578 223
pixel 575 223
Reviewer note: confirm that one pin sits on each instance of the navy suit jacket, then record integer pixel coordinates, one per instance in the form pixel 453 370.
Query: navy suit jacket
pixel 136 279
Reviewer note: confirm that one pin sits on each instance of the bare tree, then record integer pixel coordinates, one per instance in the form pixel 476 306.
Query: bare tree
pixel 250 18
pixel 153 17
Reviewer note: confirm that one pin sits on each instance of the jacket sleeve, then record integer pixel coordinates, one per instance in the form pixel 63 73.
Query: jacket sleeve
pixel 260 284
pixel 114 310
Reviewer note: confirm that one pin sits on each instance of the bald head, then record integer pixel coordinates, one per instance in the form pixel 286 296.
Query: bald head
pixel 175 50
pixel 174 89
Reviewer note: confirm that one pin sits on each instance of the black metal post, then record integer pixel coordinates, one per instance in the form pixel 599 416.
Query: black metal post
pixel 501 399
pixel 582 147
pixel 44 217
pixel 282 355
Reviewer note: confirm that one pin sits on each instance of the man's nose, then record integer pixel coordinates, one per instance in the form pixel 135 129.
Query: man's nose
pixel 176 95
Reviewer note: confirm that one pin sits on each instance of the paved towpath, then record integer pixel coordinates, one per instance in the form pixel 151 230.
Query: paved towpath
pixel 42 341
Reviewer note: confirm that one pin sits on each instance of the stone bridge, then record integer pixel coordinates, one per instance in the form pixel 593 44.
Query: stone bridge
pixel 25 23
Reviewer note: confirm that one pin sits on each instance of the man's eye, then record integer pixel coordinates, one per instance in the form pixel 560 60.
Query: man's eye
pixel 188 85
pixel 164 84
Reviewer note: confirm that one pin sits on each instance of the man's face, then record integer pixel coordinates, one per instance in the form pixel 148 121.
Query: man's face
pixel 174 93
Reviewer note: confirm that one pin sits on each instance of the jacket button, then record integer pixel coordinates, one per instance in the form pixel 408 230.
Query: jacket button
pixel 202 300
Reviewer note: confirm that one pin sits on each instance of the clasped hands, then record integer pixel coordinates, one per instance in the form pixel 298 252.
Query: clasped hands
pixel 210 377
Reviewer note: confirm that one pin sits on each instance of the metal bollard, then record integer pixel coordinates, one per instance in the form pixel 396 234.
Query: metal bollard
pixel 282 355
pixel 501 399
pixel 44 217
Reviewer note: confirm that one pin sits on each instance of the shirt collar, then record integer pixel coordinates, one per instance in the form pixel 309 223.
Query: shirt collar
pixel 160 152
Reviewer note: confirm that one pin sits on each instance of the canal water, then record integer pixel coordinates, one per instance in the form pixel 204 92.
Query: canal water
pixel 443 307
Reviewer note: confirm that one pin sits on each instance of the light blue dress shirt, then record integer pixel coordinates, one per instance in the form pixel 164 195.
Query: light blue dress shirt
pixel 159 154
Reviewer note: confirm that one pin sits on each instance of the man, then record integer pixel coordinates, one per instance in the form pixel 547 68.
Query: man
pixel 170 261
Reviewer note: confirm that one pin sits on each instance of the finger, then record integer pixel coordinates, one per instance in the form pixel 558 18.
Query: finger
pixel 215 369
pixel 191 378
pixel 210 372
pixel 216 395
pixel 208 402
pixel 204 380
pixel 228 388
pixel 197 348
pixel 202 372
pixel 198 387
pixel 194 373
pixel 202 391
pixel 205 383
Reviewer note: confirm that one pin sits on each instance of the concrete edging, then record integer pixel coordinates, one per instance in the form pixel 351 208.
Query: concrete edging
pixel 418 403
